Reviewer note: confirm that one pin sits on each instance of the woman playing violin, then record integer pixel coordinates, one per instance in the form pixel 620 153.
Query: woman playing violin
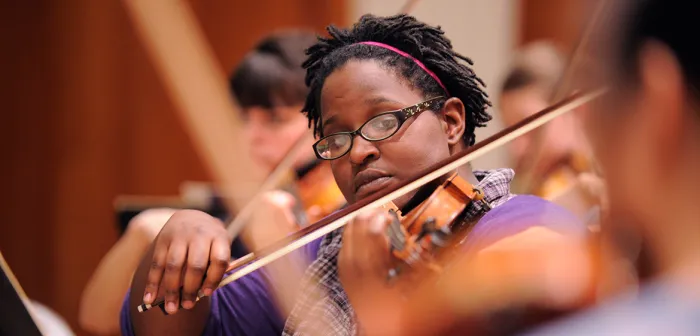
pixel 387 98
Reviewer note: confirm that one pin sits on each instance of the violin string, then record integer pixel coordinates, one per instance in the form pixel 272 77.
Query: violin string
pixel 397 238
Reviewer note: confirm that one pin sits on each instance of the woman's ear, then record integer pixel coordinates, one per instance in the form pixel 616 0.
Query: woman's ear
pixel 453 120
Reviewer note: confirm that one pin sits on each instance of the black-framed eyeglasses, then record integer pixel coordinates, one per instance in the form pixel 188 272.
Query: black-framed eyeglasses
pixel 377 128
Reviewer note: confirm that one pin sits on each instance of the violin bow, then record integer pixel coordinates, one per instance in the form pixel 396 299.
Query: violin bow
pixel 258 259
pixel 564 86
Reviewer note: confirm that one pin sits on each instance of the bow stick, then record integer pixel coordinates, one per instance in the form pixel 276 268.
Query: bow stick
pixel 340 218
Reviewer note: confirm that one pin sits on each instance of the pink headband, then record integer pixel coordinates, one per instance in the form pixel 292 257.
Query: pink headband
pixel 419 63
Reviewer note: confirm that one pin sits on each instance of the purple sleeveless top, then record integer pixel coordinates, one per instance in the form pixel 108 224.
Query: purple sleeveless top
pixel 245 307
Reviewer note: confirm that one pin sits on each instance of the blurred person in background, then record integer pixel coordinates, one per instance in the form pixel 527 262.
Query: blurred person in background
pixel 269 87
pixel 557 157
pixel 646 135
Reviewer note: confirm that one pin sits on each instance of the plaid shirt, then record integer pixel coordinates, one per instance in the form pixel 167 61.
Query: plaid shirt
pixel 323 307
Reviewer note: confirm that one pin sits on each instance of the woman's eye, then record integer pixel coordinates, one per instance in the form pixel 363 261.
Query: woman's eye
pixel 384 124
pixel 337 143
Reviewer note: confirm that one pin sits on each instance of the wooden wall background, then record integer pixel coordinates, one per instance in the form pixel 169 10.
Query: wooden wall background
pixel 560 21
pixel 85 118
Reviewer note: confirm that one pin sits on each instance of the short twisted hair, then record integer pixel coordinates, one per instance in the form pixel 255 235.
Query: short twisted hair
pixel 425 43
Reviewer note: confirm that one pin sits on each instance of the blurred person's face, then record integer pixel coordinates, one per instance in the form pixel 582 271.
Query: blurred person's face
pixel 558 136
pixel 272 133
pixel 642 139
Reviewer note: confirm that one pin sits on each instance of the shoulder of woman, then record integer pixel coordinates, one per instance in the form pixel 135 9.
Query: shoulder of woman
pixel 525 218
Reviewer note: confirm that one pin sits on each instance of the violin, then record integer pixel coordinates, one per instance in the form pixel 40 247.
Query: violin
pixel 314 192
pixel 432 226
pixel 560 176
pixel 314 187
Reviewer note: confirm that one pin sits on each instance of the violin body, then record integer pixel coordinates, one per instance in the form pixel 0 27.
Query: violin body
pixel 315 191
pixel 572 185
pixel 431 226
pixel 562 175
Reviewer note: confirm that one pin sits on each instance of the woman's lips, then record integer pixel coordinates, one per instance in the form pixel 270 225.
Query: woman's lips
pixel 371 186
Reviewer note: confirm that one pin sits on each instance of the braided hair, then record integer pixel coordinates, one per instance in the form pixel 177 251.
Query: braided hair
pixel 423 42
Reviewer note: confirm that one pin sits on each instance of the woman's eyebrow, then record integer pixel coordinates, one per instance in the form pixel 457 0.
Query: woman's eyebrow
pixel 330 120
pixel 376 100
pixel 380 100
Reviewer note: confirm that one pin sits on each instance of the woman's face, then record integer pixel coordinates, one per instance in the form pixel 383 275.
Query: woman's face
pixel 272 132
pixel 360 90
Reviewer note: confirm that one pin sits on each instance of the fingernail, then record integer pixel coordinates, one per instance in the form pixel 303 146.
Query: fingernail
pixel 187 304
pixel 377 224
pixel 171 307
pixel 207 291
pixel 147 298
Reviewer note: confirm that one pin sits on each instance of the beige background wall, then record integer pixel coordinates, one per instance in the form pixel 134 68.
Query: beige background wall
pixel 484 30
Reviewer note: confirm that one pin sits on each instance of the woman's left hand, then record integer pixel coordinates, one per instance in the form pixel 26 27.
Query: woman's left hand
pixel 363 267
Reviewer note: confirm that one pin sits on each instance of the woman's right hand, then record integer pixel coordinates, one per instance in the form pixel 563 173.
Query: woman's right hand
pixel 191 245
pixel 147 224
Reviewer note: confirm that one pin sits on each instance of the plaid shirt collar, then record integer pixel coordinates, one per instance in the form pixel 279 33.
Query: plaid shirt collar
pixel 323 307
